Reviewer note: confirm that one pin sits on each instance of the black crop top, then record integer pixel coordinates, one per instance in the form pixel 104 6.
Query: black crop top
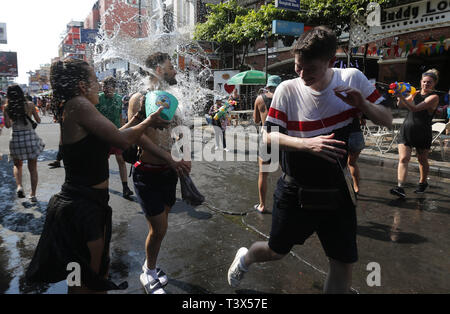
pixel 86 161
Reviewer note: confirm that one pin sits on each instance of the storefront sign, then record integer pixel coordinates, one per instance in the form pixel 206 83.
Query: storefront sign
pixel 287 28
pixel 8 64
pixel 3 37
pixel 89 36
pixel 220 81
pixel 413 16
pixel 288 4
pixel 69 49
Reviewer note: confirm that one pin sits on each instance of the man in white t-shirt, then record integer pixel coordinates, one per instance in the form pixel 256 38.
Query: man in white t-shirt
pixel 310 117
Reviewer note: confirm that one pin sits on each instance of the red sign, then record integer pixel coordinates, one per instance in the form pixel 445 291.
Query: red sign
pixel 8 64
pixel 229 88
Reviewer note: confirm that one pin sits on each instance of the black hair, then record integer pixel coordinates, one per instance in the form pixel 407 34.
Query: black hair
pixel 156 59
pixel 153 61
pixel 318 43
pixel 16 103
pixel 110 81
pixel 64 78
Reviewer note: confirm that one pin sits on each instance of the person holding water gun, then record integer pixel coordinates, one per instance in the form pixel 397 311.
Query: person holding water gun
pixel 219 112
pixel 416 129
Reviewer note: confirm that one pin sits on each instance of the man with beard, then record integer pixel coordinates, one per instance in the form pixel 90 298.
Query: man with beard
pixel 155 175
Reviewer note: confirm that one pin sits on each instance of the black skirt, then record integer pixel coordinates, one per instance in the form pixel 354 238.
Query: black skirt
pixel 75 216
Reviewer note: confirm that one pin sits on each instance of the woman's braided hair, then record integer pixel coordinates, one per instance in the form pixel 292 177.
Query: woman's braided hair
pixel 64 78
pixel 16 103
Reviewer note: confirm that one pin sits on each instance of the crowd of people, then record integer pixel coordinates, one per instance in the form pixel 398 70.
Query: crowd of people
pixel 316 119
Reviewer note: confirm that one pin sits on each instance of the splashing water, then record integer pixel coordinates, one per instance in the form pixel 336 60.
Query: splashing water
pixel 117 44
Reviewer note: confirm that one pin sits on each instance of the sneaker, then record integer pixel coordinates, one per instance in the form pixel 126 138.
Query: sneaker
pixel 235 272
pixel 161 275
pixel 127 193
pixel 398 191
pixel 421 188
pixel 151 285
pixel 33 199
pixel 20 193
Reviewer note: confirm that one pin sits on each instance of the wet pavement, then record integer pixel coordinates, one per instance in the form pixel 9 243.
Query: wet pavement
pixel 409 239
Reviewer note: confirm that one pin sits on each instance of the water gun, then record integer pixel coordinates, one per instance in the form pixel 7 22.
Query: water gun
pixel 402 88
pixel 222 111
pixel 232 102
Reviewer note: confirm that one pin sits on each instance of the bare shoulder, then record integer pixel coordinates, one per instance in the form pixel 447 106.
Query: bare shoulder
pixel 259 103
pixel 79 107
pixel 433 98
pixel 259 99
pixel 134 104
pixel 78 103
pixel 135 98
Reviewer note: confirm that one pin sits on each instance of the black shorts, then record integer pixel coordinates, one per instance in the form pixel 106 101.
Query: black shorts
pixel 415 136
pixel 292 225
pixel 155 189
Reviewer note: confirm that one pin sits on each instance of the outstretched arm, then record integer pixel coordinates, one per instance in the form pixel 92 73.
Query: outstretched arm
pixel 90 119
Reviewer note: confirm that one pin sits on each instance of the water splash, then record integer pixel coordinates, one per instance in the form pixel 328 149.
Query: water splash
pixel 191 90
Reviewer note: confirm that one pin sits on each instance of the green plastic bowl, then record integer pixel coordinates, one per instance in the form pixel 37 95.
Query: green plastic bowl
pixel 156 99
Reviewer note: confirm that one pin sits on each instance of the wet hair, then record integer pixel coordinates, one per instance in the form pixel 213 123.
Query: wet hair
pixel 64 78
pixel 433 73
pixel 16 103
pixel 318 43
pixel 156 59
pixel 110 81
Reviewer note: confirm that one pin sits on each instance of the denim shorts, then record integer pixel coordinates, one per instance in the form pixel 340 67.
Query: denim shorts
pixel 356 142
pixel 292 225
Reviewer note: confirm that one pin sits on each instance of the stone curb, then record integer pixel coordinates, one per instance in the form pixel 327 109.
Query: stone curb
pixel 438 171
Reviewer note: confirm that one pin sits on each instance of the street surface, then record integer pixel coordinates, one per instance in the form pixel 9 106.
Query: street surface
pixel 409 240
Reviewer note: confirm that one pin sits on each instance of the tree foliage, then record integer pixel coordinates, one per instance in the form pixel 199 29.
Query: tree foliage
pixel 228 22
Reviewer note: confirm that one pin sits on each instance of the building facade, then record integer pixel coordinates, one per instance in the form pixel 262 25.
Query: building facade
pixel 71 45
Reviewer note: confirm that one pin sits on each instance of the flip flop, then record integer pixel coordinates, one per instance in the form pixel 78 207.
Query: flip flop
pixel 256 207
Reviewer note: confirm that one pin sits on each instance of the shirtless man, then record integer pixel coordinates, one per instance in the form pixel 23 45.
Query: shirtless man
pixel 155 175
pixel 262 106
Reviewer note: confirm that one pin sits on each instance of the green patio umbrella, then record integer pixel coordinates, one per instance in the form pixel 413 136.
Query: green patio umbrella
pixel 252 77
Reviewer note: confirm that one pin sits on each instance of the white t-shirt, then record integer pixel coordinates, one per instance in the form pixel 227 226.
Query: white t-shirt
pixel 300 111
pixel 304 112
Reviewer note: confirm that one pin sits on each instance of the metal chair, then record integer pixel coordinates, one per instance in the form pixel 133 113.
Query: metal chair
pixel 439 128
pixel 380 135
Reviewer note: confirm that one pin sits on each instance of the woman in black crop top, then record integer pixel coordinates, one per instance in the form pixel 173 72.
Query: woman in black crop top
pixel 78 222
pixel 416 131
